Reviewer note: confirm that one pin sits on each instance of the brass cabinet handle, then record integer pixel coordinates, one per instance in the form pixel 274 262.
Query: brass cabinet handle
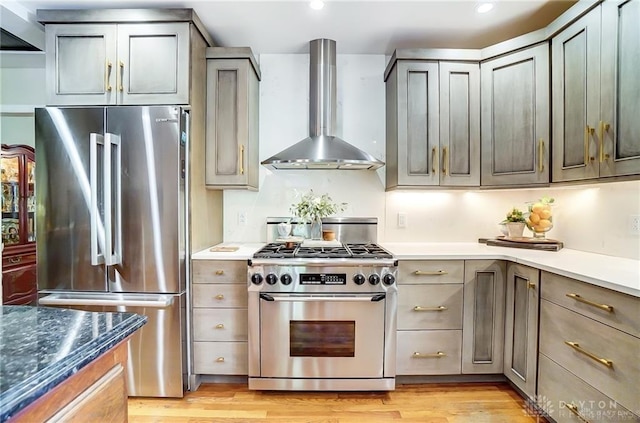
pixel 219 326
pixel 541 155
pixel 531 285
pixel 219 272
pixel 574 410
pixel 430 273
pixel 438 354
pixel 434 159
pixel 420 308
pixel 219 297
pixel 592 356
pixel 220 360
pixel 578 298
pixel 121 75
pixel 107 76
pixel 604 127
pixel 444 160
pixel 588 131
pixel 14 260
pixel 241 159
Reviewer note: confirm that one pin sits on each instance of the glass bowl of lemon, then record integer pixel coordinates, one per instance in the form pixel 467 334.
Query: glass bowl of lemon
pixel 539 218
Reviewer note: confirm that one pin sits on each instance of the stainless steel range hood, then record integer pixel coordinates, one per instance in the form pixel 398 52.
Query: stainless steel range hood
pixel 322 149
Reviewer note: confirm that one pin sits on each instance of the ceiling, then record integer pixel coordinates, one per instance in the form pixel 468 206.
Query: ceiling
pixel 359 27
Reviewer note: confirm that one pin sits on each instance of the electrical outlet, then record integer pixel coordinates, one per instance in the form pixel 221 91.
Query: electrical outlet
pixel 242 218
pixel 634 224
pixel 402 220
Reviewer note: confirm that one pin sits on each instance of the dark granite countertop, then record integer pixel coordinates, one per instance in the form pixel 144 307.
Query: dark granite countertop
pixel 41 347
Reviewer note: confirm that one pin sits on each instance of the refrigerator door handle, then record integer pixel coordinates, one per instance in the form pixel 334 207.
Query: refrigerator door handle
pixel 113 222
pixel 163 301
pixel 97 230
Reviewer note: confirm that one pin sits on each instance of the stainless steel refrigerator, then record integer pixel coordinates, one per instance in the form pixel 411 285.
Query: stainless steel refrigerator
pixel 111 227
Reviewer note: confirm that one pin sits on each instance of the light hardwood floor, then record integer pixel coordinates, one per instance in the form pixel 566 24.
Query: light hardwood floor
pixel 428 403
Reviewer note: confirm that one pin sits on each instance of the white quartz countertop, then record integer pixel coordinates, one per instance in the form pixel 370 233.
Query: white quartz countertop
pixel 619 274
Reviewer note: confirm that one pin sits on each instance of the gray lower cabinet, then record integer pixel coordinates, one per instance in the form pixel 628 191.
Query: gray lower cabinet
pixel 233 96
pixel 596 94
pixel 483 324
pixel 515 118
pixel 521 327
pixel 433 125
pixel 107 64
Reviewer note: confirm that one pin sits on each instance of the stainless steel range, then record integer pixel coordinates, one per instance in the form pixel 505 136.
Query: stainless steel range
pixel 322 318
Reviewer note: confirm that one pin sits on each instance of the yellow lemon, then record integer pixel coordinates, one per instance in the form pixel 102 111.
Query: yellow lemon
pixel 535 218
pixel 544 223
pixel 537 207
pixel 545 214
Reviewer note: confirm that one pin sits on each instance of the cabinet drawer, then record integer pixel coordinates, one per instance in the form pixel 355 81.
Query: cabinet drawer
pixel 560 390
pixel 220 324
pixel 430 352
pixel 618 381
pixel 592 301
pixel 17 260
pixel 219 271
pixel 220 358
pixel 220 296
pixel 430 307
pixel 19 285
pixel 430 271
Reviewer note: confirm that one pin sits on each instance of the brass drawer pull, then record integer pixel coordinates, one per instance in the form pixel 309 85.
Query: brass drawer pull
pixel 541 155
pixel 438 354
pixel 434 159
pixel 219 326
pixel 436 273
pixel 121 74
pixel 592 356
pixel 241 159
pixel 588 131
pixel 219 297
pixel 220 360
pixel 14 260
pixel 444 160
pixel 578 298
pixel 604 127
pixel 420 308
pixel 219 272
pixel 106 77
pixel 531 285
pixel 574 410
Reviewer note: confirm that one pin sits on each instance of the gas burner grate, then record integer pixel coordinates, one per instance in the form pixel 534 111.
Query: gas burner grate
pixel 322 252
pixel 275 250
pixel 373 251
pixel 350 251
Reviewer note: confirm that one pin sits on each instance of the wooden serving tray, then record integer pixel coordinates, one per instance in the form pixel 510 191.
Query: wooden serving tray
pixel 223 249
pixel 528 243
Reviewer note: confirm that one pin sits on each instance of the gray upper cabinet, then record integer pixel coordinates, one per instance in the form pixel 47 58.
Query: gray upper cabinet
pixel 575 54
pixel 114 56
pixel 433 124
pixel 620 88
pixel 521 327
pixel 515 118
pixel 232 159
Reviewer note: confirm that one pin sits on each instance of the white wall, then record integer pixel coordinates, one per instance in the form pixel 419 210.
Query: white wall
pixel 591 217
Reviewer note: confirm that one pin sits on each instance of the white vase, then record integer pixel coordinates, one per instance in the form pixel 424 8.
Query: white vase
pixel 516 229
pixel 316 229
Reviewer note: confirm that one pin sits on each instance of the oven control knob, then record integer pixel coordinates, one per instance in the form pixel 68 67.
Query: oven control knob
pixel 374 279
pixel 256 278
pixel 388 279
pixel 358 279
pixel 271 279
pixel 286 279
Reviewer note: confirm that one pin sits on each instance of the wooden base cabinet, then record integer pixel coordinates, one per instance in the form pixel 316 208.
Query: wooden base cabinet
pixel 483 325
pixel 521 327
pixel 589 349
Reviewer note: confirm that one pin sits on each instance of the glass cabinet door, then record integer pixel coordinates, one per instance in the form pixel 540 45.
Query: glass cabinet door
pixel 11 200
pixel 18 195
pixel 31 199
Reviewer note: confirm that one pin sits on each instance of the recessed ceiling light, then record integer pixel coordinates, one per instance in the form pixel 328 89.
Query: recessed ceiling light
pixel 484 7
pixel 316 4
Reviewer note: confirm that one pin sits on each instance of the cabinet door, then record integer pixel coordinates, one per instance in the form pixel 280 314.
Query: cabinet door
pixel 576 99
pixel 418 124
pixel 620 100
pixel 483 325
pixel 521 327
pixel 460 124
pixel 81 64
pixel 228 123
pixel 153 63
pixel 515 118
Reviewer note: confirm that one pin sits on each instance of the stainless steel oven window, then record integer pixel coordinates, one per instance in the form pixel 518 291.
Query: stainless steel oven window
pixel 309 338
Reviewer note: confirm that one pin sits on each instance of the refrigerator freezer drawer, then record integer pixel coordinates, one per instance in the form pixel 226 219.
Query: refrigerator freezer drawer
pixel 110 300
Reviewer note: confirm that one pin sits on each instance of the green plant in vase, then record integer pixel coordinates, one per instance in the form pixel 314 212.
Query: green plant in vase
pixel 515 222
pixel 312 208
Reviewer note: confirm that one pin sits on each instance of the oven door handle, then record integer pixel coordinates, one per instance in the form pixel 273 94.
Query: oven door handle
pixel 325 298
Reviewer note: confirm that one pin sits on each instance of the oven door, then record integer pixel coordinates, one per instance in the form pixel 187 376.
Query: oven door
pixel 322 336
